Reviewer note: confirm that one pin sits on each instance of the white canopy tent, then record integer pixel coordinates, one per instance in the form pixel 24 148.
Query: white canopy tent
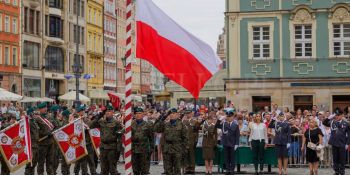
pixel 70 96
pixel 46 99
pixel 9 96
pixel 30 99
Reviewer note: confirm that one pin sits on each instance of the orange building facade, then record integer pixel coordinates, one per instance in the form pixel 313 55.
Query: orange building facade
pixel 10 51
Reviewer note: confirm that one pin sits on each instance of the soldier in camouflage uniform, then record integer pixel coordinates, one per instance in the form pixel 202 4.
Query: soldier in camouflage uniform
pixel 175 139
pixel 34 137
pixel 11 120
pixel 46 143
pixel 110 129
pixel 62 120
pixel 142 143
pixel 53 113
pixel 192 127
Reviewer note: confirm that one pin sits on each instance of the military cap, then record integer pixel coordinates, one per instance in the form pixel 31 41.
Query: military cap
pixel 230 111
pixel 42 105
pixel 66 113
pixel 188 111
pixel 138 109
pixel 30 110
pixel 338 112
pixel 54 108
pixel 80 108
pixel 173 110
pixel 109 108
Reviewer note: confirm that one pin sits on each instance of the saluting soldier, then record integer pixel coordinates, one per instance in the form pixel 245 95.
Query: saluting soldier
pixel 46 144
pixel 142 143
pixel 175 140
pixel 192 127
pixel 339 139
pixel 229 140
pixel 110 129
pixel 34 137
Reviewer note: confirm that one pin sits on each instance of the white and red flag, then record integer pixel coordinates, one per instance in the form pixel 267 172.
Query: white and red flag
pixel 175 52
pixel 71 140
pixel 15 145
pixel 95 139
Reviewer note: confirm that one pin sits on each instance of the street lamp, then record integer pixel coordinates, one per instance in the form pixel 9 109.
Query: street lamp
pixel 77 67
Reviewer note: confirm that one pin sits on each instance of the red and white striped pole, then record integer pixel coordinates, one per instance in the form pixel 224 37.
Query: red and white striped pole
pixel 128 85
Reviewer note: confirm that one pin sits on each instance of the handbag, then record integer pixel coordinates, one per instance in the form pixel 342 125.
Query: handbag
pixel 310 144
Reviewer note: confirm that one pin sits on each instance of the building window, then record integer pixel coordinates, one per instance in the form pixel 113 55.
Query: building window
pixel 1 54
pixel 82 8
pixel 303 41
pixel 32 87
pixel 15 2
pixel 341 39
pixel 55 3
pixel 82 36
pixel 261 42
pixel 259 102
pixel 54 59
pixel 56 27
pixel 7 1
pixel 14 56
pixel 7 55
pixel 303 102
pixel 0 21
pixel 14 25
pixel 31 55
pixel 7 24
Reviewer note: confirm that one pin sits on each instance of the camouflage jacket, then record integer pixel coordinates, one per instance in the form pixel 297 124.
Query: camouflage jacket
pixel 192 128
pixel 44 130
pixel 175 136
pixel 110 131
pixel 142 137
pixel 34 132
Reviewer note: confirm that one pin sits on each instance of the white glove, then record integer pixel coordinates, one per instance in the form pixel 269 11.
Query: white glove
pixel 236 146
pixel 331 116
pixel 346 147
pixel 288 145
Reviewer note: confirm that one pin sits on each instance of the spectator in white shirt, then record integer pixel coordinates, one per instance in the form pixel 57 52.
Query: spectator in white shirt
pixel 4 108
pixel 258 141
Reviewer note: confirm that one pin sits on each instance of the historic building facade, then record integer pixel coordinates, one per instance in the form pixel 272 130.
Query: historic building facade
pixel 10 47
pixel 294 53
pixel 121 43
pixel 110 45
pixel 94 20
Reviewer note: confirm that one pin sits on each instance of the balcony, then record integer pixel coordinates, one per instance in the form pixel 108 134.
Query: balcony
pixel 34 3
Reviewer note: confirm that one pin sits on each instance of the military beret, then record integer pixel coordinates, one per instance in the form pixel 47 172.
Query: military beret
pixel 66 113
pixel 138 109
pixel 230 111
pixel 42 105
pixel 54 108
pixel 80 108
pixel 109 108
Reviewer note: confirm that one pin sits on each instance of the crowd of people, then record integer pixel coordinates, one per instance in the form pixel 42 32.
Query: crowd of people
pixel 171 136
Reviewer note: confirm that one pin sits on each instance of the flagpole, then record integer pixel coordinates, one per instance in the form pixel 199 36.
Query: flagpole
pixel 128 85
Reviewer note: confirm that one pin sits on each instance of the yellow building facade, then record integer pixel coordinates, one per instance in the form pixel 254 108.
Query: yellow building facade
pixel 94 35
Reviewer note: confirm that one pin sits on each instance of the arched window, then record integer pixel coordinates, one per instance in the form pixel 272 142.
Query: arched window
pixel 54 59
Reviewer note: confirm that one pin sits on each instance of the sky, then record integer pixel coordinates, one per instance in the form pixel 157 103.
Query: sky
pixel 202 18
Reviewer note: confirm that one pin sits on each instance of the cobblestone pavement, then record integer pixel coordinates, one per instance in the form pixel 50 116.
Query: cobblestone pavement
pixel 157 170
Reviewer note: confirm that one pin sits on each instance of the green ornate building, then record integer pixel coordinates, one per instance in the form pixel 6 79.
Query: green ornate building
pixel 294 53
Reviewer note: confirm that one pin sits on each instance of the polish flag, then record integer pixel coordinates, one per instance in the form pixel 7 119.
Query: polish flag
pixel 175 52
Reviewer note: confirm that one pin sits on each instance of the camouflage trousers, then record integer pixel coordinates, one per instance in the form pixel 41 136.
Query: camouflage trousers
pixel 108 161
pixel 172 163
pixel 56 161
pixel 190 159
pixel 29 170
pixel 86 161
pixel 140 163
pixel 46 157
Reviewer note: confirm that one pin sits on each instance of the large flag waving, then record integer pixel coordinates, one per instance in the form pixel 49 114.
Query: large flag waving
pixel 71 140
pixel 15 145
pixel 96 140
pixel 175 52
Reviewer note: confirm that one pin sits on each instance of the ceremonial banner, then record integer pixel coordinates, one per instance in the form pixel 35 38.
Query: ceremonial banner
pixel 15 145
pixel 95 139
pixel 71 140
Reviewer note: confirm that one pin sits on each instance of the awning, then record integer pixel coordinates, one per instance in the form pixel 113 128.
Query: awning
pixel 9 96
pixel 46 99
pixel 30 99
pixel 71 96
pixel 98 94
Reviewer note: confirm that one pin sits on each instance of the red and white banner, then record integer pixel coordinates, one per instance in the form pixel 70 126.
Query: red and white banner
pixel 175 52
pixel 71 140
pixel 115 100
pixel 15 145
pixel 95 139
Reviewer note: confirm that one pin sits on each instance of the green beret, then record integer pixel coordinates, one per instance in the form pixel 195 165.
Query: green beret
pixel 109 108
pixel 30 110
pixel 66 113
pixel 138 110
pixel 42 105
pixel 81 108
pixel 54 108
